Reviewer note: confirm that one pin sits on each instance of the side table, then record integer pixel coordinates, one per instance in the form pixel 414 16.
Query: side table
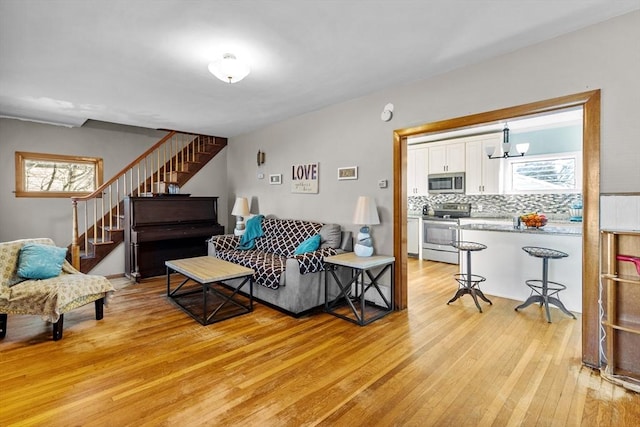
pixel 362 312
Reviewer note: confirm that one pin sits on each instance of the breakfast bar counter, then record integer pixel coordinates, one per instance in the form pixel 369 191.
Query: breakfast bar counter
pixel 566 230
pixel 506 266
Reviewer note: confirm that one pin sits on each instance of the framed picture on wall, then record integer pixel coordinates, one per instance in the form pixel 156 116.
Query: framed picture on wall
pixel 275 179
pixel 350 172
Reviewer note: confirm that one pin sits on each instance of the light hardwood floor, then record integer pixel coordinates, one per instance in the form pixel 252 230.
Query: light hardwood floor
pixel 147 364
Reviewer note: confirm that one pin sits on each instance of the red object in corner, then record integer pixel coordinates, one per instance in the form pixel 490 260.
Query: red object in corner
pixel 629 258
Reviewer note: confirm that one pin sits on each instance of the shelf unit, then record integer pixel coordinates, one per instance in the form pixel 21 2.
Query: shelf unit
pixel 620 309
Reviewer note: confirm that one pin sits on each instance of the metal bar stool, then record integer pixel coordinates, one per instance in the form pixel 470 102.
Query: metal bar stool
pixel 545 291
pixel 469 283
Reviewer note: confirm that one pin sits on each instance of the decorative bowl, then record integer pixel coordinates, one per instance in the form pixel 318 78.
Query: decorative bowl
pixel 534 220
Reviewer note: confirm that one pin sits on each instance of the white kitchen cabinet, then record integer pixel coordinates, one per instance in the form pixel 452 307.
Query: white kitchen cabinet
pixel 417 170
pixel 447 157
pixel 482 173
pixel 413 236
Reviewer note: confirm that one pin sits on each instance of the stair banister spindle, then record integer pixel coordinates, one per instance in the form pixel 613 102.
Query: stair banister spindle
pixel 111 208
pixel 118 203
pixel 158 169
pixel 181 154
pixel 86 225
pixel 172 158
pixel 95 220
pixel 164 162
pixel 101 216
pixel 144 179
pixel 75 250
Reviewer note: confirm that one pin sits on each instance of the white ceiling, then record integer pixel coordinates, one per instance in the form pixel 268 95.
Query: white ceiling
pixel 144 62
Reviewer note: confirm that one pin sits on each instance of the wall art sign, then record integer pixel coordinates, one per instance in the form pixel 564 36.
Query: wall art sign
pixel 350 172
pixel 304 178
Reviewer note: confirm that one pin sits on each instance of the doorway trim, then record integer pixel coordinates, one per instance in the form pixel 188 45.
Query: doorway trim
pixel 590 102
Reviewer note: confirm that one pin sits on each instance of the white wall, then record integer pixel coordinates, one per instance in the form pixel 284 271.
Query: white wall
pixel 22 217
pixel 603 56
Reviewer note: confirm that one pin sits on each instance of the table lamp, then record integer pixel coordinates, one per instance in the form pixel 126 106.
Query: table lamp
pixel 366 214
pixel 240 210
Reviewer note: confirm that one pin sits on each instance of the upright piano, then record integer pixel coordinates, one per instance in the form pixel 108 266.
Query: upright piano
pixel 158 229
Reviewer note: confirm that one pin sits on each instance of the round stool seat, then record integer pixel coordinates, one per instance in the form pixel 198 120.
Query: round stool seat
pixel 468 246
pixel 544 252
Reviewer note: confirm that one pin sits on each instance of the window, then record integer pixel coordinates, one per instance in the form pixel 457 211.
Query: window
pixel 539 174
pixel 55 175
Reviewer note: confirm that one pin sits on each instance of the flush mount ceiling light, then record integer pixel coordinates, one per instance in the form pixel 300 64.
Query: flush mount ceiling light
pixel 229 69
pixel 506 147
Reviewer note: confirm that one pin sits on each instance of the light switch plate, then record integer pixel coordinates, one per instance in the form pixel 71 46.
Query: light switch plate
pixel 260 176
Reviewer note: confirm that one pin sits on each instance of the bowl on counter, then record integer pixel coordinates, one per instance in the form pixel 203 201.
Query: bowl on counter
pixel 534 220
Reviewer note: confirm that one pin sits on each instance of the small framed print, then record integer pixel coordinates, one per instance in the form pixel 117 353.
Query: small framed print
pixel 275 179
pixel 350 172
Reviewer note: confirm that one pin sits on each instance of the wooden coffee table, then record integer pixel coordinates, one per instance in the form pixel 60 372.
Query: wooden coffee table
pixel 218 301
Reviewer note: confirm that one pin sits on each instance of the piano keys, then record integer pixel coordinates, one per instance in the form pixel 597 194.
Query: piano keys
pixel 158 229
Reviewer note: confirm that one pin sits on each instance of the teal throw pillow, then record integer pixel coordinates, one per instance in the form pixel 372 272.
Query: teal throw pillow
pixel 309 245
pixel 40 261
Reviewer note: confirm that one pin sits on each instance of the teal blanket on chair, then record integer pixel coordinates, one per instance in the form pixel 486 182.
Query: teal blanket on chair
pixel 253 230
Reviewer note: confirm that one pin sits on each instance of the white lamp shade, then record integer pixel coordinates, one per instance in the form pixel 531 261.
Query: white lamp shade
pixel 240 207
pixel 366 212
pixel 229 69
pixel 522 148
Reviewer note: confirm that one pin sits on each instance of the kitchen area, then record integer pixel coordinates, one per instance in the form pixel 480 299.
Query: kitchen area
pixel 476 186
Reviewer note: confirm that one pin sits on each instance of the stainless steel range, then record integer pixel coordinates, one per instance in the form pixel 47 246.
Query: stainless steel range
pixel 441 229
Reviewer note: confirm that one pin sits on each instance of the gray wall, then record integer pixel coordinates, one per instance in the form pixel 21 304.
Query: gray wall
pixel 22 217
pixel 351 133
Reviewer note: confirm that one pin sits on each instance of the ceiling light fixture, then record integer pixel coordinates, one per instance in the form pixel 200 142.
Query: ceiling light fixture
pixel 506 147
pixel 229 69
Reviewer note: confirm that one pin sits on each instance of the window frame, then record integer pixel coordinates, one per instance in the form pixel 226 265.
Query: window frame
pixel 508 172
pixel 22 156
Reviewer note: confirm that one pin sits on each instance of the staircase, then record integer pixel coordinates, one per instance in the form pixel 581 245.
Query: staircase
pixel 98 219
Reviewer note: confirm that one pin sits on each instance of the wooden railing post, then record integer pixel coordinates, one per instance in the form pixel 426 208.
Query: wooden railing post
pixel 75 248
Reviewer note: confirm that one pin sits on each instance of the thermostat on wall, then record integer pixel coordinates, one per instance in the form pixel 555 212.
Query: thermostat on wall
pixel 382 183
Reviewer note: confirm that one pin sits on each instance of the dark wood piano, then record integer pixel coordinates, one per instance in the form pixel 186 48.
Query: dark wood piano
pixel 162 228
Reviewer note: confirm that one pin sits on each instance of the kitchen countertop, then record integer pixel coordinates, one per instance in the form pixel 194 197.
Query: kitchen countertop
pixel 508 228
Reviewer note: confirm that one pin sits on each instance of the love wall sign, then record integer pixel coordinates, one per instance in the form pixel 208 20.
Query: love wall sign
pixel 304 178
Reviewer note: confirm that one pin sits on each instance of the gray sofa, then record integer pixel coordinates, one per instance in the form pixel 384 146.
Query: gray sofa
pixel 292 283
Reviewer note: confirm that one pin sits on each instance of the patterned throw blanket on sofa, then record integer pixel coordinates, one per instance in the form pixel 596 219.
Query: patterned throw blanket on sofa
pixel 278 242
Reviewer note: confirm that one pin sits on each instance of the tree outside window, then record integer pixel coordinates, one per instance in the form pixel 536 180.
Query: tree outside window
pixel 55 175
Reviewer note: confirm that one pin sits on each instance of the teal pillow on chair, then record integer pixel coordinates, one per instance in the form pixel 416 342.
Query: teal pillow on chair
pixel 40 261
pixel 309 245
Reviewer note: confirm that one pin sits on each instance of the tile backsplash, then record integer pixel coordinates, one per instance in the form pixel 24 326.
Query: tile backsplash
pixel 556 206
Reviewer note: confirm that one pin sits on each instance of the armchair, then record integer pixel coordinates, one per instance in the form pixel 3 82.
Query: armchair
pixel 50 298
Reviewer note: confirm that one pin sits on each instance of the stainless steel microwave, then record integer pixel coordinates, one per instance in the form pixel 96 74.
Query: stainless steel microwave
pixel 446 182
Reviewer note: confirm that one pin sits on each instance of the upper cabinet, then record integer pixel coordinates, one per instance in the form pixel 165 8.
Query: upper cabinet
pixel 482 173
pixel 447 157
pixel 417 170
